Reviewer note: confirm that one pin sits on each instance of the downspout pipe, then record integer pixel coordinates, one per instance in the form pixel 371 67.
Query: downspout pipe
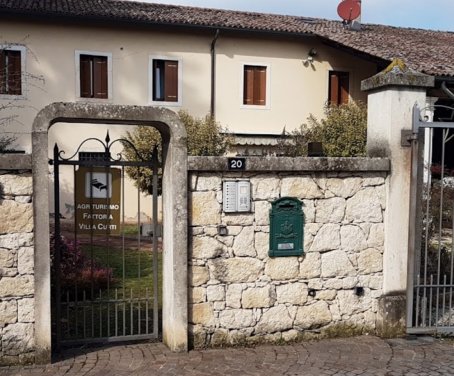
pixel 213 75
pixel 448 92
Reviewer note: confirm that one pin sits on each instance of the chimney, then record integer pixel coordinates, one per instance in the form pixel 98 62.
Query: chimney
pixel 356 23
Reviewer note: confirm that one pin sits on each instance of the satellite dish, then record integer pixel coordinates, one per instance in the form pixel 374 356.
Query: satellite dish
pixel 349 10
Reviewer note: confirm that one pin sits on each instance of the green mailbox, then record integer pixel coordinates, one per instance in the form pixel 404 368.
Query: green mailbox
pixel 286 227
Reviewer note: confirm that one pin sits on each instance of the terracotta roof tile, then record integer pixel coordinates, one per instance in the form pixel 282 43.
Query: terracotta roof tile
pixel 427 51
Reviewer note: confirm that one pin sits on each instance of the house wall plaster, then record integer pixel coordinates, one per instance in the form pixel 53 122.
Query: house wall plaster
pixel 296 90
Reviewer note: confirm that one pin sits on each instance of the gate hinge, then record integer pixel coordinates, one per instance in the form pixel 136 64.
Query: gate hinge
pixel 406 137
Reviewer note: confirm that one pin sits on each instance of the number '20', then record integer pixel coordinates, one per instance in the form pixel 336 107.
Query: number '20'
pixel 236 164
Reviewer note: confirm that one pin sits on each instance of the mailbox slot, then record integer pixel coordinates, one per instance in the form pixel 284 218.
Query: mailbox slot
pixel 286 227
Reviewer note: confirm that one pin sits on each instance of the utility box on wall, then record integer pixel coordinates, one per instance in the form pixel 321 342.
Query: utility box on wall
pixel 286 227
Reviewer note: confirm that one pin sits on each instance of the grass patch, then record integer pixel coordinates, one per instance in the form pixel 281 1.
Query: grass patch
pixel 134 272
pixel 110 312
pixel 131 229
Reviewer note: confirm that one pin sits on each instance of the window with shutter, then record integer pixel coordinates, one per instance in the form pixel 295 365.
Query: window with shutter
pixel 10 72
pixel 338 87
pixel 93 76
pixel 254 85
pixel 165 80
pixel 85 76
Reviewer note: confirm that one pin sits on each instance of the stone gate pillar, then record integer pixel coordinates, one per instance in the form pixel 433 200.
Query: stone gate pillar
pixel 392 95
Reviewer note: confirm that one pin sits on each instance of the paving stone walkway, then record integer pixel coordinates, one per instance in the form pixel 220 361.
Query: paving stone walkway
pixel 364 355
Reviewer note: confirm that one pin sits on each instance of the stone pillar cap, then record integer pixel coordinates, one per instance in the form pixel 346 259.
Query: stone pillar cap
pixel 398 74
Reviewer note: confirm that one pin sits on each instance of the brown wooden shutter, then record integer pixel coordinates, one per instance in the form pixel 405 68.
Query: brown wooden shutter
pixel 86 90
pixel 248 89
pixel 2 72
pixel 333 95
pixel 171 81
pixel 254 90
pixel 260 86
pixel 338 87
pixel 344 87
pixel 100 77
pixel 14 73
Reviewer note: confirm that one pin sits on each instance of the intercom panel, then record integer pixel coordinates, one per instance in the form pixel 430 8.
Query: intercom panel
pixel 236 196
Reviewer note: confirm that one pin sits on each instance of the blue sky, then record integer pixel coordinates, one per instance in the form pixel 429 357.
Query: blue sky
pixel 426 14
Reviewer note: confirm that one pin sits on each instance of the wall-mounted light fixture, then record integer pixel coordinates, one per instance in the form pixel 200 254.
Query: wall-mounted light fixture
pixel 222 230
pixel 312 292
pixel 359 291
pixel 310 57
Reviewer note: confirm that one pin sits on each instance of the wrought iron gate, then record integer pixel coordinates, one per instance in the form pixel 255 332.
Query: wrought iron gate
pixel 104 269
pixel 431 258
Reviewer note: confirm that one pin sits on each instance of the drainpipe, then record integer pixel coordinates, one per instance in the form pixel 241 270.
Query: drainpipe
pixel 213 74
pixel 448 92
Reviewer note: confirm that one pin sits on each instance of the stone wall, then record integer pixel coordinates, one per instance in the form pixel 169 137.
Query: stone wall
pixel 16 267
pixel 237 294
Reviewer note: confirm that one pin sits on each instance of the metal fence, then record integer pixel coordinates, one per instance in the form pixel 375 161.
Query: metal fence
pixel 431 257
pixel 105 270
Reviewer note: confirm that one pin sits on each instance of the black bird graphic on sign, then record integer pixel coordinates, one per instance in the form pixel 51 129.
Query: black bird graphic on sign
pixel 97 184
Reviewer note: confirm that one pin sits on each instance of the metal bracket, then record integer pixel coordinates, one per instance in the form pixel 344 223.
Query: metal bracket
pixel 406 137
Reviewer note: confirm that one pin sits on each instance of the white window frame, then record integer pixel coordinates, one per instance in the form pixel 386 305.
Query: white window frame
pixel 178 103
pixel 77 54
pixel 268 86
pixel 23 54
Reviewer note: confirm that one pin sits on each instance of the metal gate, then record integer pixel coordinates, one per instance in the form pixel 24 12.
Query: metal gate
pixel 104 267
pixel 431 258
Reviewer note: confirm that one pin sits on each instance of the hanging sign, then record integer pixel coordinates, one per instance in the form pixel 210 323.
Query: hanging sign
pixel 97 200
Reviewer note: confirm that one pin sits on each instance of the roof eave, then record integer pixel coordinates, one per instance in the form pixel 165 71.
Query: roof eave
pixel 42 16
pixel 447 79
pixel 353 51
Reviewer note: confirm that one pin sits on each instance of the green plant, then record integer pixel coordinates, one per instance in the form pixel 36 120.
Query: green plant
pixel 6 142
pixel 435 234
pixel 76 269
pixel 6 118
pixel 137 266
pixel 205 137
pixel 144 140
pixel 9 109
pixel 131 229
pixel 342 132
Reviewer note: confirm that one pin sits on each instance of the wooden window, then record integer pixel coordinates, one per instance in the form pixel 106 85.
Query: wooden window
pixel 338 87
pixel 254 90
pixel 93 76
pixel 10 72
pixel 165 80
